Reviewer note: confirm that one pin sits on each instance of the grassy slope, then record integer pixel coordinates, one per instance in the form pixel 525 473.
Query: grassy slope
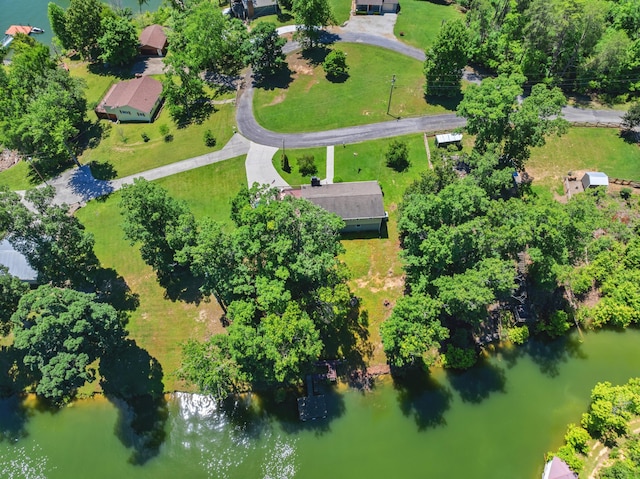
pixel 313 103
pixel 374 263
pixel 295 178
pixel 599 149
pixel 159 325
pixel 419 21
pixel 341 10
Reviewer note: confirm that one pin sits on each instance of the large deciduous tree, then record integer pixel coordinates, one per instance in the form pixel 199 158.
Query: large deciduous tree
pixel 413 332
pixel 61 332
pixel 118 43
pixel 445 60
pixel 311 16
pixel 54 243
pixel 496 116
pixel 160 224
pixel 83 20
pixel 11 290
pixel 265 50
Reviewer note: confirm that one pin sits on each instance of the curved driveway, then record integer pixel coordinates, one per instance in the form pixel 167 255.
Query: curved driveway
pixel 249 127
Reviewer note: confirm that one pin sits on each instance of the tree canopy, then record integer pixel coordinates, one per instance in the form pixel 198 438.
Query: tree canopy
pixel 310 16
pixel 62 332
pixel 445 60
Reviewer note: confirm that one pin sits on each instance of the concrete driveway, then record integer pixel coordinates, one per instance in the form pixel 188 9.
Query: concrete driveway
pixel 148 66
pixel 381 25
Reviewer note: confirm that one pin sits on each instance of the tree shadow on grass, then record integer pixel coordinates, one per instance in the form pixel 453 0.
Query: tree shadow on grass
pixel 479 382
pixel 449 103
pixel 315 55
pixel 103 170
pixel 122 72
pixel 181 285
pixel 113 289
pixel 420 396
pixel 281 79
pixel 132 381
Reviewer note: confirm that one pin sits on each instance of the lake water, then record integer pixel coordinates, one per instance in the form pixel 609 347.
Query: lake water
pixel 34 13
pixel 495 421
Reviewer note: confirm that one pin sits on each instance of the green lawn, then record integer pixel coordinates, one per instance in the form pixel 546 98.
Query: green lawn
pixel 159 325
pixel 125 152
pixel 593 149
pixel 295 178
pixel 341 10
pixel 312 103
pixel 419 21
pixel 374 263
pixel 18 177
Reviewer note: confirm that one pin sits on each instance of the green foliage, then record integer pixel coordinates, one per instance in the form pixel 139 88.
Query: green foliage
pixel 43 107
pixel 495 116
pixel 209 139
pixel 278 278
pixel 310 14
pixel 518 335
pixel 83 21
pixel 397 155
pixel 144 136
pixel 11 290
pixel 61 332
pixel 118 43
pixel 577 438
pixel 265 50
pixel 631 118
pixel 54 243
pixel 459 358
pixel 625 193
pixel 413 331
pixel 569 456
pixel 161 225
pixel 557 325
pixel 445 60
pixel 57 20
pixel 335 65
pixel 307 165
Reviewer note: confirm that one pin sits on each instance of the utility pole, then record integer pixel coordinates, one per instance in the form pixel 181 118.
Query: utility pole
pixel 393 82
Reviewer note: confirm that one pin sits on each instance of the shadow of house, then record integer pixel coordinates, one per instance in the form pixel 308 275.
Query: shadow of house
pixel 134 100
pixel 153 41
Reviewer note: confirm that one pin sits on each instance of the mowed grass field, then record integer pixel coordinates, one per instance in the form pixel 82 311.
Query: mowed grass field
pixel 374 262
pixel 592 149
pixel 313 103
pixel 419 21
pixel 295 178
pixel 159 324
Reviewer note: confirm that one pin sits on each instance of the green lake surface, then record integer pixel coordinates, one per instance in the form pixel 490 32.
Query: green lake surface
pixel 495 421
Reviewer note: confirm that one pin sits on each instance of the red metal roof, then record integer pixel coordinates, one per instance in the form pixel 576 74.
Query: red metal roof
pixel 140 93
pixel 153 36
pixel 15 29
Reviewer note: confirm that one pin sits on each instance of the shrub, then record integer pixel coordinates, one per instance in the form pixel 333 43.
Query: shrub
pixel 209 139
pixel 335 65
pixel 168 138
pixel 164 130
pixel 557 324
pixel 397 155
pixel 307 165
pixel 518 335
pixel 459 358
pixel 144 136
pixel 577 437
pixel 625 193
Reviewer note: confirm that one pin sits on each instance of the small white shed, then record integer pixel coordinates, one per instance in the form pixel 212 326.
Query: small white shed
pixel 593 179
pixel 448 139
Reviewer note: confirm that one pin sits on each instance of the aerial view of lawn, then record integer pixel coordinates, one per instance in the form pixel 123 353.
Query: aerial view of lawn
pixel 419 21
pixel 160 324
pixel 594 149
pixel 310 102
pixel 294 177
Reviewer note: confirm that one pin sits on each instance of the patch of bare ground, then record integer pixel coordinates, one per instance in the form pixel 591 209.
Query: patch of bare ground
pixel 299 65
pixel 211 317
pixel 8 158
pixel 376 283
pixel 591 299
pixel 278 99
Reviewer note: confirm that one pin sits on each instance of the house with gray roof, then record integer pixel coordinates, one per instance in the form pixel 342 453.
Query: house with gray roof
pixel 134 100
pixel 17 263
pixel 359 203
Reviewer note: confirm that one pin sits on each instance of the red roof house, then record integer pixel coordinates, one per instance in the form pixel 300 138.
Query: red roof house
pixel 153 41
pixel 131 100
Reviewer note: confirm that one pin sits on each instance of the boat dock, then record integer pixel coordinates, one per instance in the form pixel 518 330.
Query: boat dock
pixel 13 30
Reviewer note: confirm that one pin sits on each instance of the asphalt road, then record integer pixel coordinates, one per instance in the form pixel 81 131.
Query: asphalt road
pixel 250 129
